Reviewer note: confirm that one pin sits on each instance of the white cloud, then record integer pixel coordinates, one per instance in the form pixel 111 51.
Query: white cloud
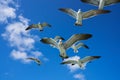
pixel 18 37
pixel 22 42
pixel 19 55
pixel 73 67
pixel 37 54
pixel 6 11
pixel 79 76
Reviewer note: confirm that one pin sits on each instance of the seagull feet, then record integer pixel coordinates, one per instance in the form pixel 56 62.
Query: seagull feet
pixel 77 24
pixel 63 57
pixel 41 30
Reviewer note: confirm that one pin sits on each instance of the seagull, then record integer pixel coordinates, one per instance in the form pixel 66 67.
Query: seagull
pixel 75 47
pixel 40 26
pixel 101 3
pixel 79 15
pixel 81 62
pixel 56 39
pixel 62 47
pixel 35 59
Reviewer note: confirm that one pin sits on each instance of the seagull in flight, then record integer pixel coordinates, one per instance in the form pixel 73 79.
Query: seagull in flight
pixel 63 46
pixel 101 3
pixel 35 59
pixel 79 16
pixel 81 62
pixel 75 47
pixel 39 26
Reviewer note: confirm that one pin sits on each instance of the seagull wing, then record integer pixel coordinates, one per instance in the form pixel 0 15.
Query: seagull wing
pixel 31 26
pixel 45 24
pixel 49 41
pixel 30 58
pixel 69 62
pixel 38 61
pixel 93 2
pixel 89 58
pixel 108 2
pixel 74 38
pixel 92 13
pixel 81 45
pixel 69 12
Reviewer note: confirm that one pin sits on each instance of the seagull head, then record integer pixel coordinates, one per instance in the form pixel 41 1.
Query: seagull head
pixel 79 10
pixel 60 41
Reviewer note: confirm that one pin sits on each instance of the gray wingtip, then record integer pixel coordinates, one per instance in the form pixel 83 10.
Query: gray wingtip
pixel 43 40
pixel 105 11
pixel 83 0
pixel 27 28
pixel 97 56
pixel 86 47
pixel 63 9
pixel 62 63
pixel 87 36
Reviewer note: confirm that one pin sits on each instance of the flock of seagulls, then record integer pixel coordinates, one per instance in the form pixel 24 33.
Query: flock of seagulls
pixel 63 46
pixel 74 42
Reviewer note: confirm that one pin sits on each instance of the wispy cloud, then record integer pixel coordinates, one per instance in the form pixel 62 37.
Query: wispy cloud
pixel 6 11
pixel 73 67
pixel 79 76
pixel 22 42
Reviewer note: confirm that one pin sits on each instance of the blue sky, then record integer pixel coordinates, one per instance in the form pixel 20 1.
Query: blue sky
pixel 17 44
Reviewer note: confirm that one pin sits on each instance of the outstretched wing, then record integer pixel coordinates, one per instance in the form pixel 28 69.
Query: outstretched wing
pixel 92 13
pixel 109 2
pixel 45 24
pixel 93 2
pixel 69 12
pixel 82 45
pixel 31 26
pixel 49 41
pixel 30 58
pixel 74 38
pixel 69 62
pixel 35 59
pixel 89 58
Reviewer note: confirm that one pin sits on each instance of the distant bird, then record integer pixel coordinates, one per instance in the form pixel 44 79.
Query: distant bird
pixel 35 59
pixel 75 47
pixel 101 3
pixel 79 15
pixel 81 62
pixel 62 47
pixel 57 38
pixel 40 26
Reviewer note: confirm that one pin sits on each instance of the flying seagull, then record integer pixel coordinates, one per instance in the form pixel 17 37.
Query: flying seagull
pixel 62 47
pixel 81 62
pixel 35 59
pixel 40 26
pixel 79 15
pixel 57 38
pixel 75 47
pixel 101 3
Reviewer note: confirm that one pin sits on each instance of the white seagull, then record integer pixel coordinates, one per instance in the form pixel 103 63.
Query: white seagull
pixel 35 59
pixel 79 15
pixel 39 26
pixel 62 47
pixel 81 62
pixel 75 47
pixel 101 3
